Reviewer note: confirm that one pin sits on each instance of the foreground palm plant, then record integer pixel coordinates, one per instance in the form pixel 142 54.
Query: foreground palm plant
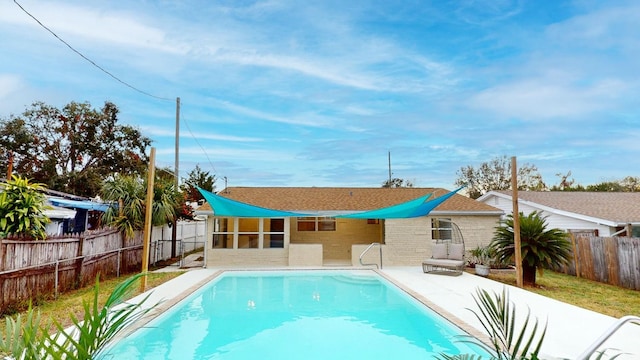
pixel 22 340
pixel 86 339
pixel 509 341
pixel 497 314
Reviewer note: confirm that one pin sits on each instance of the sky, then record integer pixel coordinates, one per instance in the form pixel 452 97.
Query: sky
pixel 325 93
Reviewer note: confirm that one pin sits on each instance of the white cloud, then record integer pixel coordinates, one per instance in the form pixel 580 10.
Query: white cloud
pixel 91 24
pixel 9 84
pixel 167 132
pixel 548 98
pixel 614 26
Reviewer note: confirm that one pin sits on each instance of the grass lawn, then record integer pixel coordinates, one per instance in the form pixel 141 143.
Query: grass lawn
pixel 71 302
pixel 603 298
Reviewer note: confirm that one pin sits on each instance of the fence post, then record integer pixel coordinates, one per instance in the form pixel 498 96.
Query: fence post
pixel 575 254
pixel 55 285
pixel 118 265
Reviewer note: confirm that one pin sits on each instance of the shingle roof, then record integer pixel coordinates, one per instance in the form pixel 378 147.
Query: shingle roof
pixel 619 207
pixel 345 199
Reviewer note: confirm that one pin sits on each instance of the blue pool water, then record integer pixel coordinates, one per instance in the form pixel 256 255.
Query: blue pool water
pixel 295 315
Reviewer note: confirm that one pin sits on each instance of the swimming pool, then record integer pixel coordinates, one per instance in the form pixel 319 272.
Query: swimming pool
pixel 325 314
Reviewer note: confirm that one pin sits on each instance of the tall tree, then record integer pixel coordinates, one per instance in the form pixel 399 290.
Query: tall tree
pixel 72 149
pixel 198 179
pixel 396 183
pixel 627 184
pixel 496 175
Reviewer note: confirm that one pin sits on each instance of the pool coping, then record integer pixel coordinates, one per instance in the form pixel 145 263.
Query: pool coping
pixel 451 297
pixel 463 325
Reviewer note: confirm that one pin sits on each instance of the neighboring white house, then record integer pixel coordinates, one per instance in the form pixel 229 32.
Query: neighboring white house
pixel 598 213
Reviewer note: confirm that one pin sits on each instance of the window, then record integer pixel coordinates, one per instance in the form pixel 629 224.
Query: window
pixel 306 224
pixel 274 233
pixel 441 229
pixel 223 233
pixel 316 223
pixel 248 233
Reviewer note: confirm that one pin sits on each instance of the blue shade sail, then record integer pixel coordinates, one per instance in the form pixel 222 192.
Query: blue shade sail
pixel 398 211
pixel 225 207
pixel 410 209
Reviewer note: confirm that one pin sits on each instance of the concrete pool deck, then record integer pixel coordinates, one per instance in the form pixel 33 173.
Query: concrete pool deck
pixel 570 329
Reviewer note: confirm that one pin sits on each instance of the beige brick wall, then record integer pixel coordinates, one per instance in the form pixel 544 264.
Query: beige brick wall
pixel 305 255
pixel 408 241
pixel 240 258
pixel 336 245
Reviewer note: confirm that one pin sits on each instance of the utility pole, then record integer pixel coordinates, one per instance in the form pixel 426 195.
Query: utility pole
pixel 389 152
pixel 177 177
pixel 177 161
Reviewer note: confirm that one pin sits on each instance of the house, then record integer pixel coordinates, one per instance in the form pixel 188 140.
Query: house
pixel 316 226
pixel 596 213
pixel 81 215
pixel 59 219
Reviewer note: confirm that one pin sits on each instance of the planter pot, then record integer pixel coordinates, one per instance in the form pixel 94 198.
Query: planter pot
pixel 482 270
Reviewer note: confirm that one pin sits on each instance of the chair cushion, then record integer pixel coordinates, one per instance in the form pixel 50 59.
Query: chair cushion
pixel 456 252
pixel 439 251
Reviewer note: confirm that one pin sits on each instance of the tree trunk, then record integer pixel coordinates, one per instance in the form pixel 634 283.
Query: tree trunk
pixel 528 275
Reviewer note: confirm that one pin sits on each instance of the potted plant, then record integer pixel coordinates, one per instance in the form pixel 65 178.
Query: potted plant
pixel 481 259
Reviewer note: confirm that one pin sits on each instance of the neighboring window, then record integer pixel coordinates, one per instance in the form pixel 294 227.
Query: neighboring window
pixel 316 224
pixel 441 229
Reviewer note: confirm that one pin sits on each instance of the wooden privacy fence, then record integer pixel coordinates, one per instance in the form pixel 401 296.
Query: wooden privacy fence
pixel 33 269
pixel 612 260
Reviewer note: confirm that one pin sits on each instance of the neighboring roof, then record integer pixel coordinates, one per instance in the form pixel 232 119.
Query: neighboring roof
pixel 618 207
pixel 310 199
pixel 55 212
pixel 77 204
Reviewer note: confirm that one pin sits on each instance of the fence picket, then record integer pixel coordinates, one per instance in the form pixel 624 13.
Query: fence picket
pixel 28 269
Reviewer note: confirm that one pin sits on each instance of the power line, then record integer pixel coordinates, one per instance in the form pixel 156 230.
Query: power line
pixel 89 60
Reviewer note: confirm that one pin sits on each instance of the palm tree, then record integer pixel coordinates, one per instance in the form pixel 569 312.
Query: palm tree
pixel 541 247
pixel 129 193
